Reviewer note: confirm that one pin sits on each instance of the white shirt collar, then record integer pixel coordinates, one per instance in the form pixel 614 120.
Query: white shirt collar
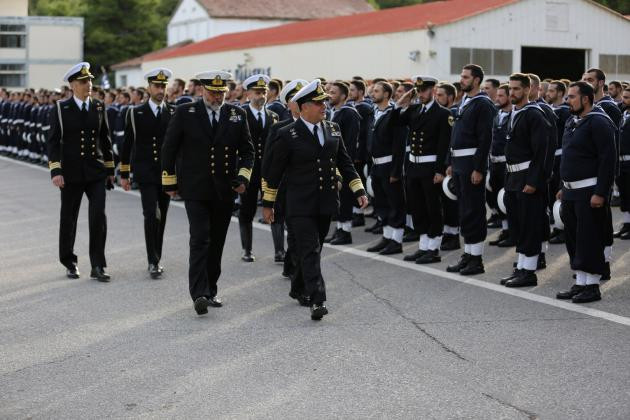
pixel 429 105
pixel 320 133
pixel 256 111
pixel 217 112
pixel 80 103
pixel 154 106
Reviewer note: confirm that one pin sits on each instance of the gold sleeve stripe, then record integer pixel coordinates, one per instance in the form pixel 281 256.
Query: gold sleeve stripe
pixel 54 165
pixel 109 164
pixel 125 168
pixel 245 173
pixel 169 180
pixel 263 184
pixel 270 195
pixel 356 185
pixel 337 172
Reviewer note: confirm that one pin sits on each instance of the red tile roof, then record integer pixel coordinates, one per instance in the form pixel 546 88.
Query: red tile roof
pixel 284 9
pixel 398 19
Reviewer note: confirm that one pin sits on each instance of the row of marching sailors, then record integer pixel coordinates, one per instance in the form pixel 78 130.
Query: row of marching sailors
pixel 518 159
pixel 24 124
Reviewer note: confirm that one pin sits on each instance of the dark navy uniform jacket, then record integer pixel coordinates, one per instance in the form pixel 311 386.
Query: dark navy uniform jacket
pixel 499 132
pixel 349 122
pixel 387 138
pixel 588 151
pixel 473 129
pixel 527 140
pixel 624 141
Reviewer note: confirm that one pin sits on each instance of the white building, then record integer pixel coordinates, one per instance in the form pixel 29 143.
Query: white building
pixel 203 19
pixel 36 51
pixel 552 38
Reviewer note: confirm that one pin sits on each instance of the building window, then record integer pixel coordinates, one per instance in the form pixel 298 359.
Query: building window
pixel 492 61
pixel 123 80
pixel 614 64
pixel 12 36
pixel 12 75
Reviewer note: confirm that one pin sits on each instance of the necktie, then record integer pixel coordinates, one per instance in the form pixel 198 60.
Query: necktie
pixel 84 112
pixel 260 122
pixel 213 122
pixel 315 134
pixel 158 114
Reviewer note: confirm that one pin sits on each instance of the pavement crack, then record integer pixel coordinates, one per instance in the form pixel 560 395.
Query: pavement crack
pixel 529 414
pixel 416 324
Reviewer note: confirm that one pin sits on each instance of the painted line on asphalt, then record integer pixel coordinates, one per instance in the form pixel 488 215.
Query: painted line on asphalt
pixel 585 310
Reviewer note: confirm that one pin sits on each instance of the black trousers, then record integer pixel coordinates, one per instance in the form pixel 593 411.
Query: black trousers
pixel 249 200
pixel 584 228
pixel 497 180
pixel 526 219
pixel 451 211
pixel 154 208
pixel 346 202
pixel 71 195
pixel 424 203
pixel 209 222
pixel 292 264
pixel 471 203
pixel 310 232
pixel 391 201
pixel 554 185
pixel 623 183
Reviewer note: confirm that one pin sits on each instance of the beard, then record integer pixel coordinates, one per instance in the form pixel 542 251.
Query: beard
pixel 576 111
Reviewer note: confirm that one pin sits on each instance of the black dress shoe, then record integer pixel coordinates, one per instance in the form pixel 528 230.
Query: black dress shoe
pixel 99 274
pixel 318 311
pixel 358 220
pixel 590 293
pixel 502 236
pixel 248 256
pixel 568 294
pixel 473 266
pixel 215 302
pixel 201 305
pixel 463 260
pixel 515 274
pixel 410 235
pixel 542 261
pixel 377 224
pixel 412 257
pixel 507 243
pixel 450 242
pixel 429 257
pixel 624 229
pixel 343 238
pixel 333 236
pixel 155 271
pixel 392 248
pixel 526 278
pixel 279 256
pixel 379 246
pixel 72 272
pixel 560 238
pixel 378 230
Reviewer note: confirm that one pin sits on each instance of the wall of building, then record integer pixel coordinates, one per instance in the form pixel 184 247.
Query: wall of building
pixel 369 56
pixel 50 46
pixel 13 7
pixel 130 77
pixel 534 23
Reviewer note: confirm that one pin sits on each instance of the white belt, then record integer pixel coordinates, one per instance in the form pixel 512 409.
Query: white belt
pixel 497 159
pixel 422 159
pixel 408 149
pixel 583 183
pixel 463 152
pixel 624 158
pixel 119 133
pixel 381 160
pixel 558 152
pixel 517 167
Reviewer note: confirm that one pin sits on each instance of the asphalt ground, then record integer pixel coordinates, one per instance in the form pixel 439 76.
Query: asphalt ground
pixel 401 340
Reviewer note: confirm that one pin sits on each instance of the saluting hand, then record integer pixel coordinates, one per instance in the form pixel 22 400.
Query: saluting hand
pixel 58 181
pixel 363 201
pixel 405 100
